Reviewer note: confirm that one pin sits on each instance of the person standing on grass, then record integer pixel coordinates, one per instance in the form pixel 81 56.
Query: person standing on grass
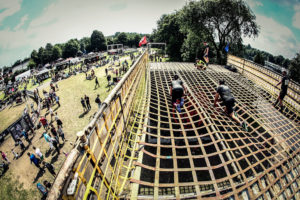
pixel 58 121
pixel 54 133
pixel 44 122
pixel 97 83
pixel 106 71
pixel 16 155
pixel 57 100
pixel 4 156
pixel 20 142
pixel 50 167
pixel 98 101
pixel 48 139
pixel 34 160
pixel 61 133
pixel 38 153
pixel 83 104
pixel 55 144
pixel 51 113
pixel 87 101
pixel 24 133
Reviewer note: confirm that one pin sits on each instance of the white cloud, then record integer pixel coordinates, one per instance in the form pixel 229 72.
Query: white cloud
pixel 66 19
pixel 9 7
pixel 274 38
pixel 23 20
pixel 296 18
pixel 254 3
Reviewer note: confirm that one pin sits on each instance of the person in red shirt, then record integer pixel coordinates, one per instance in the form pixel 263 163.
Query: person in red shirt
pixel 44 121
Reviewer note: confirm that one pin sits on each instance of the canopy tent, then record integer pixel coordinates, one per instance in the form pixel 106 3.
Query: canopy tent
pixel 24 74
pixel 43 74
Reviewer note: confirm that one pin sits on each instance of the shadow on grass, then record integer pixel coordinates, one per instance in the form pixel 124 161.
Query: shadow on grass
pixel 83 114
pixel 39 174
pixel 54 158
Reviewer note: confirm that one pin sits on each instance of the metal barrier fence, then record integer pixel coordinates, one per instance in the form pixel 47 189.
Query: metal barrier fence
pixel 268 80
pixel 95 168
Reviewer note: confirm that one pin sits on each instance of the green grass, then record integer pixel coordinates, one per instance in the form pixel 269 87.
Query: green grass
pixel 12 189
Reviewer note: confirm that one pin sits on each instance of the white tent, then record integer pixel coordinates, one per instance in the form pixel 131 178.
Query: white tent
pixel 24 74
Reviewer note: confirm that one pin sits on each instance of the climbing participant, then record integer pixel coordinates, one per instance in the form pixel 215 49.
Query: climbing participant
pixel 200 64
pixel 206 52
pixel 284 87
pixel 228 101
pixel 177 91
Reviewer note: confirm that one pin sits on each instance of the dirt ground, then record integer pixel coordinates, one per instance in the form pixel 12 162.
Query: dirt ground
pixel 71 113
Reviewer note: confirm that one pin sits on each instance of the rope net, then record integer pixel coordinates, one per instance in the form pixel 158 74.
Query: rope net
pixel 201 152
pixel 140 147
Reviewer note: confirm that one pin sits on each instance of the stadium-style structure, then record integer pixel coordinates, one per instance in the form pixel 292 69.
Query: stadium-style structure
pixel 139 147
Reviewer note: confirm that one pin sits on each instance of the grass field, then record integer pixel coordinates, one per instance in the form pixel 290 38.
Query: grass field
pixel 21 172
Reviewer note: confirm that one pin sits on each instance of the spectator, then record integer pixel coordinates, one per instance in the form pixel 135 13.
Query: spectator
pixel 34 160
pixel 38 153
pixel 98 101
pixel 44 122
pixel 16 155
pixel 57 100
pixel 48 139
pixel 96 82
pixel 87 101
pixel 61 133
pixel 4 156
pixel 47 184
pixel 54 133
pixel 24 133
pixel 58 121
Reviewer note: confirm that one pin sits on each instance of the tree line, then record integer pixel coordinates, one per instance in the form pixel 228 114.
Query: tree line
pixel 96 42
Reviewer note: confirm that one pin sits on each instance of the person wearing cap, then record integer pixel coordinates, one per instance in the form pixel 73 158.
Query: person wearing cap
pixel 228 101
pixel 176 91
pixel 283 91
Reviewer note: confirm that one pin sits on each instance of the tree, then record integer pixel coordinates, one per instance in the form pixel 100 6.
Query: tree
pixel 85 44
pixel 109 40
pixel 71 48
pixel 295 68
pixel 221 21
pixel 31 64
pixel 41 55
pixel 168 31
pixel 258 58
pixel 56 53
pixel 279 59
pixel 98 42
pixel 48 53
pixel 122 39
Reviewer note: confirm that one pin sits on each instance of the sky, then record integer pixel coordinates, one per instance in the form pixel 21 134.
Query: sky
pixel 29 24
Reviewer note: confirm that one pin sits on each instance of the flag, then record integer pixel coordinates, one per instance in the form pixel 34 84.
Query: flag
pixel 227 47
pixel 143 41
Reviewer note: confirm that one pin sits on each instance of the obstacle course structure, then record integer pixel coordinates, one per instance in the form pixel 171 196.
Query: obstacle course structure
pixel 139 147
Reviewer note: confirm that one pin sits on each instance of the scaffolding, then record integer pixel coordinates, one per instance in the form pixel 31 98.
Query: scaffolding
pixel 139 147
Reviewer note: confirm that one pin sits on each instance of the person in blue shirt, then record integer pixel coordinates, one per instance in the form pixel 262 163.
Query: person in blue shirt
pixel 34 160
pixel 24 133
